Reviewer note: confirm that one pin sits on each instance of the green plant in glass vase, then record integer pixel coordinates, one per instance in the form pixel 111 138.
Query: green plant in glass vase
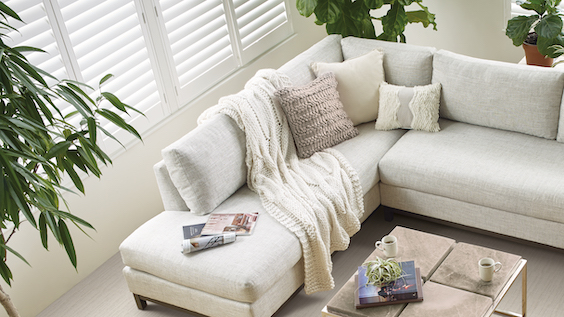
pixel 352 18
pixel 542 28
pixel 39 146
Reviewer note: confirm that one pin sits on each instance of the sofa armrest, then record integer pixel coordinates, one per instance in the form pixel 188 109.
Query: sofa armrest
pixel 169 194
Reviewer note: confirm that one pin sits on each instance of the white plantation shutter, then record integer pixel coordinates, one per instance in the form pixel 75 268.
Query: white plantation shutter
pixel 199 44
pixel 162 53
pixel 106 37
pixel 261 25
pixel 36 32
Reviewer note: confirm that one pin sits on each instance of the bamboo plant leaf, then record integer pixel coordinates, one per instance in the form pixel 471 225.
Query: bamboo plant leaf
pixel 14 252
pixel 105 78
pixel 81 92
pixel 5 271
pixel 43 231
pixel 73 218
pixel 68 166
pixel 92 128
pixel 114 101
pixel 66 240
pixel 7 10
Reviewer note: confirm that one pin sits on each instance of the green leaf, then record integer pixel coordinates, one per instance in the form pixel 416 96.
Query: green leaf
pixel 43 230
pixel 374 4
pixel 537 6
pixel 58 149
pixel 7 10
pixel 105 78
pixel 29 69
pixel 73 218
pixel 81 92
pixel 519 27
pixel 549 47
pixel 328 11
pixel 117 120
pixel 52 224
pixel 394 22
pixel 67 241
pixel 68 166
pixel 92 128
pixel 20 49
pixel 5 270
pixel 75 100
pixel 549 26
pixel 14 252
pixel 115 101
pixel 306 7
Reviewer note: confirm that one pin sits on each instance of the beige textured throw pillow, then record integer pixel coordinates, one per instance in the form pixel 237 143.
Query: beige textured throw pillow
pixel 359 79
pixel 315 115
pixel 409 107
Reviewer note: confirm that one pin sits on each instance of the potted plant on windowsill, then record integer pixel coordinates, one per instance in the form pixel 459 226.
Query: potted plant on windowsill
pixel 539 33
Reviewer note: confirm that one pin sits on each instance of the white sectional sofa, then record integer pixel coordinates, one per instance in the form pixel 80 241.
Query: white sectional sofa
pixel 496 164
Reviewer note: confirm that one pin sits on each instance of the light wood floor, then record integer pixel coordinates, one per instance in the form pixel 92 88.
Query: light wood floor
pixel 105 293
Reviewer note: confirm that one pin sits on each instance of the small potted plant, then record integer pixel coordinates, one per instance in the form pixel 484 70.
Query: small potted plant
pixel 382 272
pixel 539 33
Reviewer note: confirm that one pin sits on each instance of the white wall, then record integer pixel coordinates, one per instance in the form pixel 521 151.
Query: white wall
pixel 127 194
pixel 475 28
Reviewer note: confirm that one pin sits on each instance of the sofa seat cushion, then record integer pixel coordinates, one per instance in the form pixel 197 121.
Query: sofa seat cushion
pixel 499 169
pixel 365 151
pixel 241 271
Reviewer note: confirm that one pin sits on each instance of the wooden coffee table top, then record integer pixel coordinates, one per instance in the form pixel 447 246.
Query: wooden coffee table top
pixel 450 271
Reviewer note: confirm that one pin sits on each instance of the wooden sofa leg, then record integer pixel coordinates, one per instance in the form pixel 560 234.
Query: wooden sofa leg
pixel 141 303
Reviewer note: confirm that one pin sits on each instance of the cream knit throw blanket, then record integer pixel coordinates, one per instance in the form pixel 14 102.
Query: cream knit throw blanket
pixel 318 198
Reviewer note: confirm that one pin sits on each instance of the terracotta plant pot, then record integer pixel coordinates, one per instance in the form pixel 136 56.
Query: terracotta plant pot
pixel 535 58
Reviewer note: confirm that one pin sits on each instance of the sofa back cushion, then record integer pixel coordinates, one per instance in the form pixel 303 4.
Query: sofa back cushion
pixel 207 165
pixel 404 64
pixel 560 136
pixel 499 95
pixel 327 50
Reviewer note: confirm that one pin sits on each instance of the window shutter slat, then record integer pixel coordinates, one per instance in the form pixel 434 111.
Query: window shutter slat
pixel 199 41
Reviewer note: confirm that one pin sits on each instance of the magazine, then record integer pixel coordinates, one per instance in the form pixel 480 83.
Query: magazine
pixel 239 223
pixel 405 289
pixel 192 231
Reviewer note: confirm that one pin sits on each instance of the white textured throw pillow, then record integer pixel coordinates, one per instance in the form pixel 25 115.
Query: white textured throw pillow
pixel 409 107
pixel 358 81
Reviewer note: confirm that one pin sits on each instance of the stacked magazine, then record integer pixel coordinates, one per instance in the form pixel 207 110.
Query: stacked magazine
pixel 219 229
pixel 407 288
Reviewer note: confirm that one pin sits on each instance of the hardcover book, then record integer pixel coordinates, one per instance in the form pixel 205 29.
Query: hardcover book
pixel 240 223
pixel 408 288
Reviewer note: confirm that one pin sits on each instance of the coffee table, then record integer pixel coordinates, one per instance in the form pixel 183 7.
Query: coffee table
pixel 452 286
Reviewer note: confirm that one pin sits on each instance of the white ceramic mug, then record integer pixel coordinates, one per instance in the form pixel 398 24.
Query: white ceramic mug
pixel 389 245
pixel 487 267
